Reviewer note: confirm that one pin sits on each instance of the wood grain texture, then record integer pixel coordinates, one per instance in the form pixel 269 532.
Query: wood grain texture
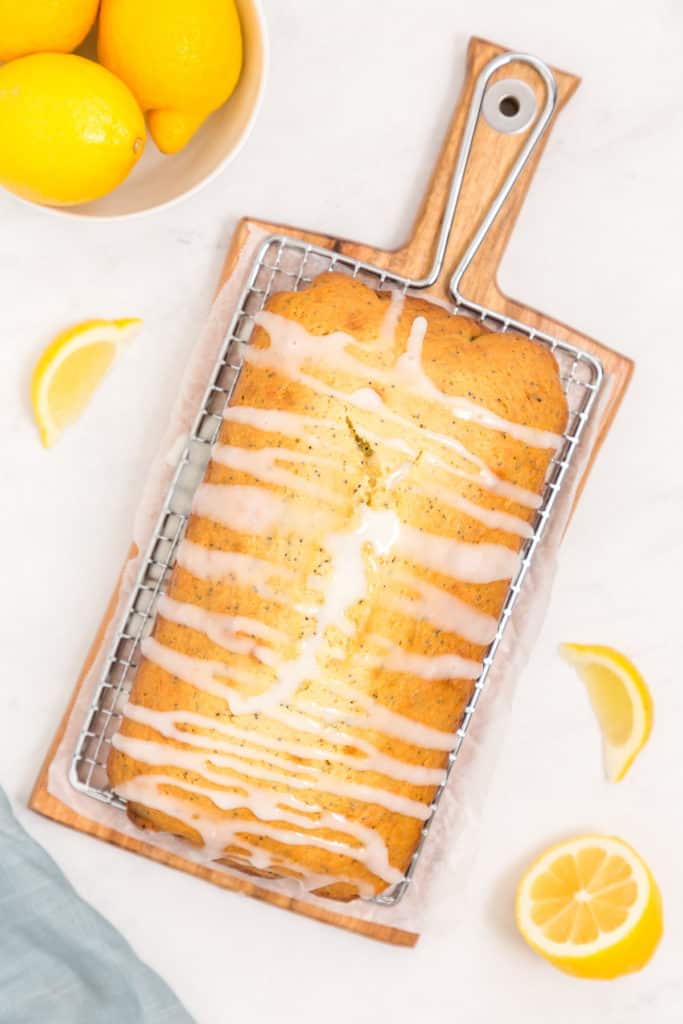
pixel 491 158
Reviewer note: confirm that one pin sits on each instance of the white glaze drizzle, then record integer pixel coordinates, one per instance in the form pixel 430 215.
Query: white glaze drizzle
pixel 157 754
pixel 275 421
pixel 242 507
pixel 411 373
pixel 443 610
pixel 397 475
pixel 378 718
pixel 436 666
pixel 213 677
pixel 176 723
pixel 262 463
pixel 493 518
pixel 220 832
pixel 484 478
pixel 366 399
pixel 291 345
pixel 362 398
pixel 259 511
pixel 430 667
pixel 346 585
pixel 490 482
pixel 411 360
pixel 386 338
pixel 223 630
pixel 471 563
pixel 232 567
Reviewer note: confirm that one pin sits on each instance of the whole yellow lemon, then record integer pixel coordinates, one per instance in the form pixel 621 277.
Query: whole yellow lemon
pixel 70 131
pixel 181 58
pixel 32 26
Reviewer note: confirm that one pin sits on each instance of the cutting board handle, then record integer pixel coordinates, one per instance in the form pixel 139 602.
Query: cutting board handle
pixel 506 109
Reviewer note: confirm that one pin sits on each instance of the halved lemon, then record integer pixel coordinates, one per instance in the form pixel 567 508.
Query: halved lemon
pixel 591 907
pixel 621 701
pixel 70 369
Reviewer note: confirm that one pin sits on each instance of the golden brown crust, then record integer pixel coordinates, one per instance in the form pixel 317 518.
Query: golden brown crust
pixel 514 377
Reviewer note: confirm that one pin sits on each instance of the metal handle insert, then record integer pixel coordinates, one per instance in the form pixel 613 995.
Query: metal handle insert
pixel 520 116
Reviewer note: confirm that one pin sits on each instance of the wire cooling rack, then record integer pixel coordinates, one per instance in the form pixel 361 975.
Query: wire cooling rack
pixel 286 264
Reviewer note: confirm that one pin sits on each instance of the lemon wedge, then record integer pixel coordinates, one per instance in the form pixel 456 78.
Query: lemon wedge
pixel 591 907
pixel 70 369
pixel 621 701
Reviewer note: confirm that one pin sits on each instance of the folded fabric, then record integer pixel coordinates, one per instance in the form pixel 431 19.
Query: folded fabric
pixel 60 961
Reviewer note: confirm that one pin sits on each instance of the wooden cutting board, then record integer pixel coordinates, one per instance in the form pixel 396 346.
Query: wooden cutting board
pixel 492 156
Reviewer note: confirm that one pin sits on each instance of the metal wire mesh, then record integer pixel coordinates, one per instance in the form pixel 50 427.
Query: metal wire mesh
pixel 286 264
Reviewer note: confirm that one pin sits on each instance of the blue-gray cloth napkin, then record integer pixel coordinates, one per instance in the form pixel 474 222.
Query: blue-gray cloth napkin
pixel 60 961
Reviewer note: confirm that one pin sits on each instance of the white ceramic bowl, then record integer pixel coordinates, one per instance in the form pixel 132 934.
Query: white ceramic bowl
pixel 159 181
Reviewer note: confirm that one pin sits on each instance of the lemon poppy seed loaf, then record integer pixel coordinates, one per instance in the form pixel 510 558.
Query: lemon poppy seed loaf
pixel 347 559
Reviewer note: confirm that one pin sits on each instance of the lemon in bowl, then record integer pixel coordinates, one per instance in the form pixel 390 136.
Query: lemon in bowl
pixel 34 26
pixel 181 58
pixel 70 131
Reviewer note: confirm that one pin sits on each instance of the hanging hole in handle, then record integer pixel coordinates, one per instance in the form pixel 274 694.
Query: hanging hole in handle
pixel 509 106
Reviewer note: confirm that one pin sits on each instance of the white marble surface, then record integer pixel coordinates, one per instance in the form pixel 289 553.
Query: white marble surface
pixel 359 94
